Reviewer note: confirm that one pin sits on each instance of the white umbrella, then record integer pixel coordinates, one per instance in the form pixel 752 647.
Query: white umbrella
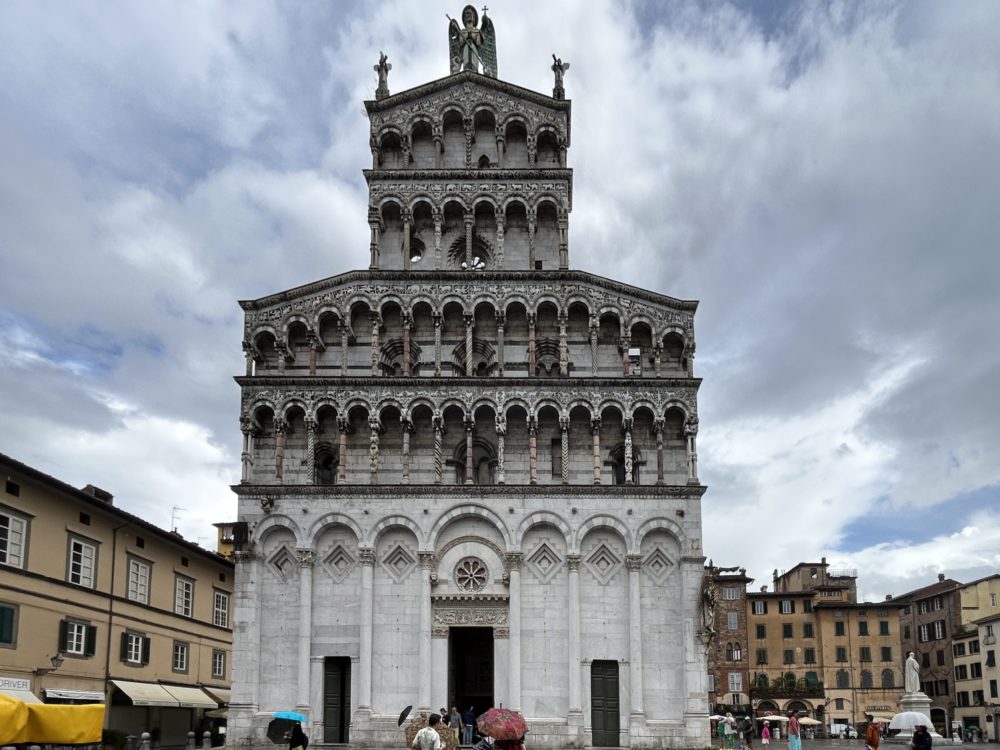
pixel 716 717
pixel 809 722
pixel 909 720
pixel 776 717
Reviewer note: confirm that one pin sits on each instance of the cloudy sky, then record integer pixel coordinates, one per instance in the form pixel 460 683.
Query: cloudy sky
pixel 823 177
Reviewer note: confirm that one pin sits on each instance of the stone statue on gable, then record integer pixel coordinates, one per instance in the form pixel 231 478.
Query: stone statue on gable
pixel 471 46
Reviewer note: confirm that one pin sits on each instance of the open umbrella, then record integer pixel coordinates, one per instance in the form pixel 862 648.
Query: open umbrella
pixel 282 722
pixel 715 717
pixel 502 724
pixel 773 717
pixel 909 720
pixel 402 715
pixel 808 721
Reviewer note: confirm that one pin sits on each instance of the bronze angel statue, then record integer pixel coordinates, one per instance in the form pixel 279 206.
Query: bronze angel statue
pixel 471 47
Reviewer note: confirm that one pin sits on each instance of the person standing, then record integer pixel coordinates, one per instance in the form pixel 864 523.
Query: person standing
pixel 746 733
pixel 921 738
pixel 455 722
pixel 428 737
pixel 729 726
pixel 297 739
pixel 765 734
pixel 794 740
pixel 469 725
pixel 872 735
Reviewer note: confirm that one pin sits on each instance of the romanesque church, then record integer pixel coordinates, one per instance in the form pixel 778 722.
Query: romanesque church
pixel 469 470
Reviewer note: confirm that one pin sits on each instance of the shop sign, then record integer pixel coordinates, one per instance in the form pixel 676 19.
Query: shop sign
pixel 12 683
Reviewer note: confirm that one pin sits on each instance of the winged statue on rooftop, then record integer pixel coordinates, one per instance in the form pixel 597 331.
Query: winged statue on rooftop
pixel 471 46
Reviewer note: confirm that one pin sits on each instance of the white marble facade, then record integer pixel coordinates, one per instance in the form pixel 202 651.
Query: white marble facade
pixel 468 435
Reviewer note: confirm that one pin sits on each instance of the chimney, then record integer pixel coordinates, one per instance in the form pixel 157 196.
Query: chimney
pixel 941 577
pixel 763 589
pixel 98 494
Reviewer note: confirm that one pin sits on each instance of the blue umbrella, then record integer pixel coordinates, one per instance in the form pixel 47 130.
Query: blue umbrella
pixel 290 715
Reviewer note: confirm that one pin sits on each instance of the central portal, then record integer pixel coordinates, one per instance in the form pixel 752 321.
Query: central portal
pixel 470 668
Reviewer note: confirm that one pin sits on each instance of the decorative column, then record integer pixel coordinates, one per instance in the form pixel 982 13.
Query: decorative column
pixel 514 566
pixel 344 426
pixel 691 432
pixel 375 224
pixel 563 347
pixel 658 430
pixel 280 427
pixel 281 349
pixel 437 343
pixel 658 360
pixel 627 426
pixel 376 321
pixel 501 147
pixel 469 323
pixel 531 345
pixel 375 425
pixel 533 449
pixel 501 428
pixel 438 422
pixel 595 429
pixel 246 619
pixel 306 559
pixel 469 222
pixel 626 345
pixel 407 325
pixel 563 242
pixel 344 334
pixel 633 563
pixel 438 137
pixel 531 242
pixel 470 426
pixel 313 350
pixel 366 557
pixel 500 231
pixel 427 564
pixel 689 351
pixel 376 151
pixel 595 328
pixel 246 457
pixel 500 325
pixel 437 233
pixel 250 355
pixel 469 136
pixel 573 566
pixel 532 152
pixel 407 429
pixel 564 447
pixel 407 219
pixel 312 428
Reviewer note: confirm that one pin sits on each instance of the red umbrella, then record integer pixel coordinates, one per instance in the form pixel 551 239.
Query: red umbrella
pixel 502 724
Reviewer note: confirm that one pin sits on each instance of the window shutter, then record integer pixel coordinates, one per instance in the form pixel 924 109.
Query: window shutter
pixel 90 641
pixel 145 650
pixel 63 635
pixel 124 647
pixel 792 603
pixel 6 625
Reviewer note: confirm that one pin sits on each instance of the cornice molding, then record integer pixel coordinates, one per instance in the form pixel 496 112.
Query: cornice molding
pixel 521 174
pixel 458 79
pixel 486 385
pixel 478 493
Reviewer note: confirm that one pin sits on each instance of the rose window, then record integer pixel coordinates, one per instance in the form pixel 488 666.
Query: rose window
pixel 471 574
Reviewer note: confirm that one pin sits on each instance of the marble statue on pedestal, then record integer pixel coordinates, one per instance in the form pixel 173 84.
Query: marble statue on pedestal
pixel 911 675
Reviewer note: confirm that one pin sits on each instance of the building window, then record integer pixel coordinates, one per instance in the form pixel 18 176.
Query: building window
pixel 711 683
pixel 906 632
pixel 138 581
pixel 734 652
pixel 326 465
pixel 735 682
pixel 976 670
pixel 135 648
pixel 807 605
pixel 183 596
pixel 958 649
pixel 810 656
pixel 219 664
pixel 838 703
pixel 993 689
pixel 786 630
pixel 841 653
pixel 13 536
pixel 807 630
pixel 973 647
pixel 843 679
pixel 787 606
pixel 788 656
pixel 732 621
pixel 962 698
pixel 991 660
pixel 762 656
pixel 731 593
pixel 762 631
pixel 939 630
pixel 888 679
pixel 180 660
pixel 760 607
pixel 925 659
pixel 940 658
pixel 862 627
pixel 937 603
pixel 977 697
pixel 886 653
pixel 220 611
pixel 77 638
pixel 838 628
pixel 961 672
pixel 883 627
pixel 865 653
pixel 82 562
pixel 8 625
pixel 923 634
pixel 993 600
pixel 867 681
pixel 923 608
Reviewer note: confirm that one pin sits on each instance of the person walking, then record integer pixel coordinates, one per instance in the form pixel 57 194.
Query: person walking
pixel 794 740
pixel 456 723
pixel 746 732
pixel 729 726
pixel 428 737
pixel 872 735
pixel 765 734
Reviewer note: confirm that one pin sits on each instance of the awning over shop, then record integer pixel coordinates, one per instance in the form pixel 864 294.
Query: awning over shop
pixel 191 697
pixel 146 694
pixel 220 694
pixel 25 696
pixel 74 695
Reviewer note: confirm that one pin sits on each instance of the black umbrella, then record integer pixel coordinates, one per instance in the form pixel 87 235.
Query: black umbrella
pixel 403 714
pixel 279 725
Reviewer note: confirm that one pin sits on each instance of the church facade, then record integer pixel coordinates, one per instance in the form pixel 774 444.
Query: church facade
pixel 469 472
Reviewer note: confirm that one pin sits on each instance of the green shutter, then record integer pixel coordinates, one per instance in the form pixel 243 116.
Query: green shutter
pixel 145 650
pixel 90 641
pixel 124 647
pixel 63 636
pixel 7 625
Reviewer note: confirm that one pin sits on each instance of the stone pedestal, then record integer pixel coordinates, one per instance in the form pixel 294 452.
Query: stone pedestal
pixel 921 704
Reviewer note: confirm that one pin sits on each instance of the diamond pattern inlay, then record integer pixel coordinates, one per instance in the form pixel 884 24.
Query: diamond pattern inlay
pixel 283 562
pixel 399 563
pixel 543 562
pixel 658 566
pixel 603 563
pixel 339 563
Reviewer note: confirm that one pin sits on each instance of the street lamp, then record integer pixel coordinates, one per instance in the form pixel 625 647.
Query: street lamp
pixel 56 661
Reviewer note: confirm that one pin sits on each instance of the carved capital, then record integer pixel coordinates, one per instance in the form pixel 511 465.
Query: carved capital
pixel 633 562
pixel 428 560
pixel 573 562
pixel 513 560
pixel 306 557
pixel 501 633
pixel 366 556
pixel 440 631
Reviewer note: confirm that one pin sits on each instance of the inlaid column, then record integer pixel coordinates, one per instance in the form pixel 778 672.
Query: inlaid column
pixel 689 351
pixel 469 136
pixel 531 241
pixel 514 566
pixel 280 428
pixel 633 563
pixel 438 137
pixel 281 349
pixel 626 345
pixel 344 426
pixel 313 353
pixel 312 428
pixel 500 358
pixel 532 151
pixel 407 220
pixel 407 429
pixel 658 430
pixel 574 676
pixel 629 460
pixel 247 614
pixel 427 563
pixel 305 559
pixel 531 345
pixel 375 428
pixel 470 427
pixel 500 232
pixel 344 335
pixel 501 147
pixel 564 447
pixel 376 321
pixel 470 220
pixel 438 422
pixel 563 243
pixel 407 363
pixel 437 343
pixel 501 428
pixel 376 151
pixel 250 355
pixel 691 432
pixel 247 427
pixel 595 430
pixel 375 224
pixel 533 449
pixel 563 347
pixel 438 219
pixel 366 557
pixel 469 361
pixel 595 329
pixel 658 361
